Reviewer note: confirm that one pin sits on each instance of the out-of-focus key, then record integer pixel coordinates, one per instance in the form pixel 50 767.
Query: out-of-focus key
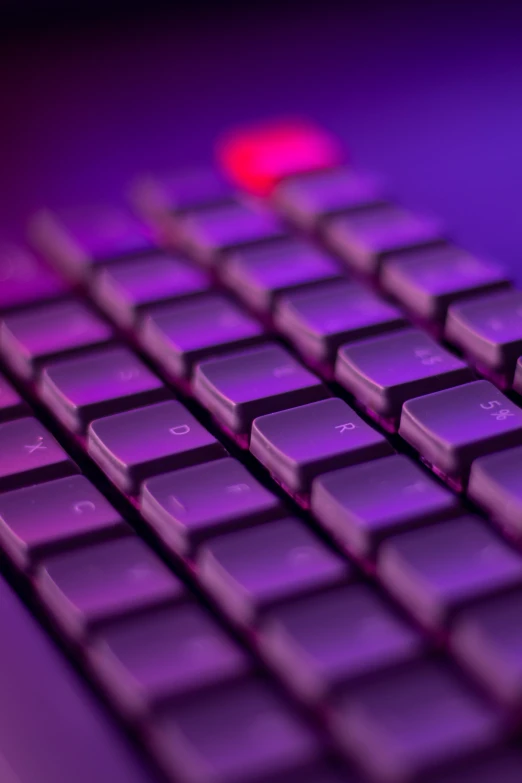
pixel 162 654
pixel 494 484
pixel 39 520
pixel 452 428
pixel 12 406
pixel 259 275
pixel 517 382
pixel 34 337
pixel 238 388
pixel 107 381
pixel 404 723
pixel 124 289
pixel 418 366
pixel 134 445
pixel 29 455
pixel 436 570
pixel 307 199
pixel 87 586
pixel 24 280
pixel 182 333
pixel 488 330
pixel 299 444
pixel 366 237
pixel 335 637
pixel 189 505
pixel 249 570
pixel 363 504
pixel 158 195
pixel 233 733
pixel 427 281
pixel 318 321
pixel 504 764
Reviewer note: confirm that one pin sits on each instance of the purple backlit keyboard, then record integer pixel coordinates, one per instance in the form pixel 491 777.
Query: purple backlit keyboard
pixel 261 483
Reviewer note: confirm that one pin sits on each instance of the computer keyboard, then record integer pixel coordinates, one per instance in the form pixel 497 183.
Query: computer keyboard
pixel 260 447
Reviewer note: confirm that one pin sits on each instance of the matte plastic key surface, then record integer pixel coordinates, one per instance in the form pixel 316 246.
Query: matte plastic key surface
pixel 452 428
pixel 187 506
pixel 24 280
pixel 249 570
pixel 134 445
pixel 157 196
pixel 12 406
pixel 181 334
pixel 106 381
pixel 299 444
pixel 31 338
pixel 43 519
pixel 436 570
pixel 363 504
pixel 494 484
pixel 504 764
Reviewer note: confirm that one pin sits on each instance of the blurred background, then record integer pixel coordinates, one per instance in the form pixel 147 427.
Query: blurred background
pixel 431 96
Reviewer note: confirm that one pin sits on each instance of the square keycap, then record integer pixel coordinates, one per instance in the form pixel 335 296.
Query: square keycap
pixel 158 196
pixel 494 484
pixel 24 279
pixel 363 504
pixel 317 321
pixel 238 388
pixel 12 406
pixel 434 571
pixel 452 428
pixel 249 570
pixel 300 443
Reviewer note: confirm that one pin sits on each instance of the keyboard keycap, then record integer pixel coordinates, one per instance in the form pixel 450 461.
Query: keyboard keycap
pixel 99 384
pixel 363 504
pixel 504 764
pixel 31 338
pixel 427 281
pixel 157 196
pixel 187 506
pixel 238 388
pixel 30 455
pixel 452 428
pixel 250 570
pixel 365 238
pixel 43 519
pixel 436 570
pixel 406 722
pixel 125 289
pixel 494 484
pixel 320 642
pixel 318 321
pixel 11 404
pixel 181 334
pixel 163 653
pixel 299 444
pixel 517 381
pixel 420 366
pixel 85 587
pixel 24 280
pixel 135 445
pixel 238 732
pixel 260 274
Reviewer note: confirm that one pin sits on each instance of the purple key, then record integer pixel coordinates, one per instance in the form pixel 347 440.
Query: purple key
pixel 318 321
pixel 135 445
pixel 43 519
pixel 30 455
pixel 180 334
pixel 504 764
pixel 238 732
pixel 419 366
pixel 34 337
pixel 76 240
pixel 452 428
pixel 252 569
pixel 488 330
pixel 12 406
pixel 517 381
pixel 494 484
pixel 125 289
pixel 24 280
pixel 158 196
pixel 427 281
pixel 320 642
pixel 184 515
pixel 406 722
pixel 363 504
pixel 238 388
pixel 320 772
pixel 85 587
pixel 365 238
pixel 436 570
pixel 209 233
pixel 299 444
pixel 103 382
pixel 307 199
pixel 259 275
pixel 164 653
